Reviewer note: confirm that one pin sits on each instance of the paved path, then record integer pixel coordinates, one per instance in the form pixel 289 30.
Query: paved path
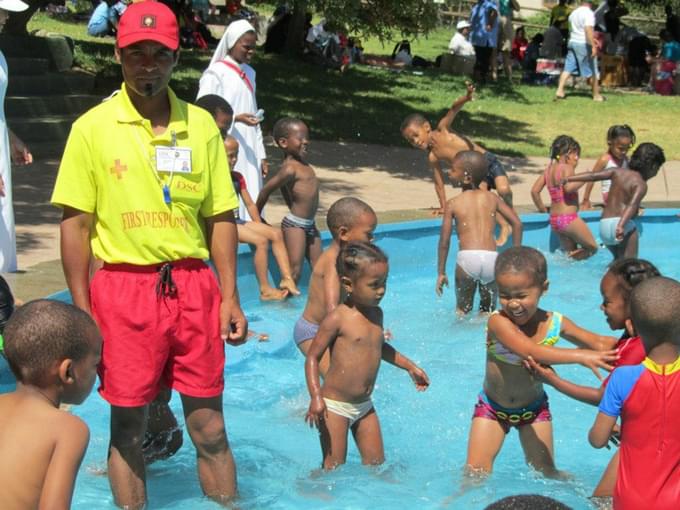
pixel 394 180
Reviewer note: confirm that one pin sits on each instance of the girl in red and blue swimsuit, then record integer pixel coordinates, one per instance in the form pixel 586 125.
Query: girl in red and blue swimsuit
pixel 575 237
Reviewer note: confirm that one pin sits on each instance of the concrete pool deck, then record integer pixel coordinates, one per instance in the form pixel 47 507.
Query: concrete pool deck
pixel 394 180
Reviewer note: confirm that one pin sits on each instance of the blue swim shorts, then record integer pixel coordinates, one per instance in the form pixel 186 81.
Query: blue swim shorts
pixel 579 59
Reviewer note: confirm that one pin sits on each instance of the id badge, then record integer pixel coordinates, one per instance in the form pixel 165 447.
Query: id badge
pixel 173 159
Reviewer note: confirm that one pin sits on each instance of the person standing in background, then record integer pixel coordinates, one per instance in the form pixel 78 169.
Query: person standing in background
pixel 12 150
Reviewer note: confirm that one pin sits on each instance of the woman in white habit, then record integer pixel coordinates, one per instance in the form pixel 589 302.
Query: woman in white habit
pixel 230 76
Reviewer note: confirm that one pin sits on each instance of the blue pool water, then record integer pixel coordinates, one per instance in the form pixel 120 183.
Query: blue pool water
pixel 425 434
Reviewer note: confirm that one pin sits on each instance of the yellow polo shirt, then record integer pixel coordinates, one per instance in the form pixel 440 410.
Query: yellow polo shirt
pixel 109 170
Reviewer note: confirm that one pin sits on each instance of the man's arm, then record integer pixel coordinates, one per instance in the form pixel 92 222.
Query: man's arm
pixel 222 242
pixel 75 231
pixel 511 216
pixel 590 38
pixel 285 174
pixel 447 120
pixel 68 453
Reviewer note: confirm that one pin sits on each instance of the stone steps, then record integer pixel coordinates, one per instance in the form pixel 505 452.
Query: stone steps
pixel 43 128
pixel 65 83
pixel 17 107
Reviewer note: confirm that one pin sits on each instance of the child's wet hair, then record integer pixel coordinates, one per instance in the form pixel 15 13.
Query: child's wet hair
pixel 647 159
pixel 415 119
pixel 283 126
pixel 355 256
pixel 563 145
pixel 630 272
pixel 654 306
pixel 621 131
pixel 345 212
pixel 527 502
pixel 523 259
pixel 474 163
pixel 212 103
pixel 44 331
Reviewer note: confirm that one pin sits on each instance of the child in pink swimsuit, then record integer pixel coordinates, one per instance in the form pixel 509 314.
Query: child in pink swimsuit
pixel 620 138
pixel 575 236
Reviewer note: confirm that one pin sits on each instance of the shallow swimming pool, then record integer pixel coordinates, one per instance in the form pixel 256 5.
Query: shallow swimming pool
pixel 425 434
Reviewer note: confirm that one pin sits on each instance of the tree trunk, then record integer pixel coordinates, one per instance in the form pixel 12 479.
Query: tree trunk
pixel 16 24
pixel 296 31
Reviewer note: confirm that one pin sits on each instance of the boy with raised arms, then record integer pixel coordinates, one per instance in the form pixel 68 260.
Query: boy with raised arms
pixel 53 350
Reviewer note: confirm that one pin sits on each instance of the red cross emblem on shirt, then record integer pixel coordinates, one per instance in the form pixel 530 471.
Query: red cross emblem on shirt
pixel 118 169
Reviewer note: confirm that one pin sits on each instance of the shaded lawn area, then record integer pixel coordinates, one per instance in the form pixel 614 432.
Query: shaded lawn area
pixel 368 104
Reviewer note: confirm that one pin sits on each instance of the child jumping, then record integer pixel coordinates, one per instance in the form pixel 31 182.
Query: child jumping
pixel 616 286
pixel 511 397
pixel 349 219
pixel 647 398
pixel 575 237
pixel 300 189
pixel 260 235
pixel 474 212
pixel 617 228
pixel 353 333
pixel 53 350
pixel 620 138
pixel 442 144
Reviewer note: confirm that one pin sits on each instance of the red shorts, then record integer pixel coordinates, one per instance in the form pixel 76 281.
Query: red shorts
pixel 154 338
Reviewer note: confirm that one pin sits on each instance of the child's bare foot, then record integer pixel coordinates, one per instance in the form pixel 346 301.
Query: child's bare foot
pixel 288 284
pixel 272 294
pixel 503 234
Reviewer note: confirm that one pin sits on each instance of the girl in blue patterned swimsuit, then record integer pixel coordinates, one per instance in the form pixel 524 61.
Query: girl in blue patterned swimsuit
pixel 511 397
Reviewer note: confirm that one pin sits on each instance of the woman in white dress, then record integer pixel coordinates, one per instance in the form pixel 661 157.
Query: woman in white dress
pixel 230 77
pixel 11 148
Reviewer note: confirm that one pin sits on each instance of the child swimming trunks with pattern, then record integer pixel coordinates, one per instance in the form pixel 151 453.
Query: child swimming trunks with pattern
pixel 537 411
pixel 308 225
pixel 495 169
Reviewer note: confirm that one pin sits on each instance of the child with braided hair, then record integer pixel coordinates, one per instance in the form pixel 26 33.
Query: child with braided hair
pixel 353 333
pixel 575 237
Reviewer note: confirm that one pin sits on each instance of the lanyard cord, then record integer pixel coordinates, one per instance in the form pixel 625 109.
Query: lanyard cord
pixel 165 186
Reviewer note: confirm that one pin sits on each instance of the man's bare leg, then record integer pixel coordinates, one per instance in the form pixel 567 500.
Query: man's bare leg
pixel 215 462
pixel 127 474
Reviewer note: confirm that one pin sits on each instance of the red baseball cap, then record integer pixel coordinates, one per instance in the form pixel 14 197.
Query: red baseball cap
pixel 148 21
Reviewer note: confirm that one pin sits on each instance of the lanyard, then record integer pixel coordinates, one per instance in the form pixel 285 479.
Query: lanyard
pixel 165 186
pixel 240 72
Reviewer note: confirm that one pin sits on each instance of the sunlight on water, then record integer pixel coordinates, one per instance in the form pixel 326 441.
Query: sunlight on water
pixel 425 434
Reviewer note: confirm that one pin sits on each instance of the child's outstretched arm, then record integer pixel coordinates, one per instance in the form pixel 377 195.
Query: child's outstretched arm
pixel 447 120
pixel 438 178
pixel 598 166
pixel 250 206
pixel 511 216
pixel 639 192
pixel 394 357
pixel 536 189
pixel 586 339
pixel 443 249
pixel 507 333
pixel 285 174
pixel 68 453
pixel 585 394
pixel 327 333
pixel 602 175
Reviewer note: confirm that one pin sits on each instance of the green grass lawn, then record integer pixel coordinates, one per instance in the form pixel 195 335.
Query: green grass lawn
pixel 367 104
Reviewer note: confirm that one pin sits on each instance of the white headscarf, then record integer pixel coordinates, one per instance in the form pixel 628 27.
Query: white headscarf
pixel 231 36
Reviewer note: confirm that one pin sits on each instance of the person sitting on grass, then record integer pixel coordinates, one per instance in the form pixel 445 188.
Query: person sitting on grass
pixel 474 212
pixel 53 350
pixel 442 144
pixel 618 231
pixel 104 19
pixel 300 188
pixel 647 398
